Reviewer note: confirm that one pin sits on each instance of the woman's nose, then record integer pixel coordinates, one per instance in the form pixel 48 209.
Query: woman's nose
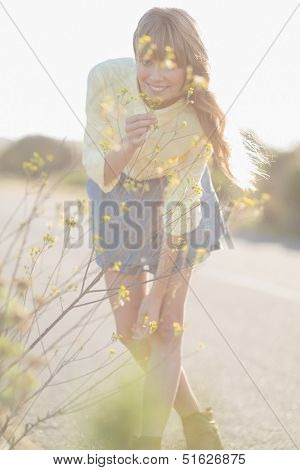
pixel 156 74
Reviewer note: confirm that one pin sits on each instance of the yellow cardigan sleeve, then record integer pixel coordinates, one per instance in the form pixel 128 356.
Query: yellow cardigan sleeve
pixel 99 136
pixel 182 196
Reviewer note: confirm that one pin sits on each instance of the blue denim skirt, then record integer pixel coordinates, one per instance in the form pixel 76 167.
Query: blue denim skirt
pixel 126 226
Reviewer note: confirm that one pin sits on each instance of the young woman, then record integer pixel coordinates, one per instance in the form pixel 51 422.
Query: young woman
pixel 152 127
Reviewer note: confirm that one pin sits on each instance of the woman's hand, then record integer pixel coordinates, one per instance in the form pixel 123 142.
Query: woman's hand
pixel 148 317
pixel 136 128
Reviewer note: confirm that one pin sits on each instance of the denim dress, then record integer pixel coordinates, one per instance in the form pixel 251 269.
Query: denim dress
pixel 126 226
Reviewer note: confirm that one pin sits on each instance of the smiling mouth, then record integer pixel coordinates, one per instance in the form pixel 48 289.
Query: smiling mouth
pixel 156 89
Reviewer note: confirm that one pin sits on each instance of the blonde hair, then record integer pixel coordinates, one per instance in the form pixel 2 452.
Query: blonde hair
pixel 240 156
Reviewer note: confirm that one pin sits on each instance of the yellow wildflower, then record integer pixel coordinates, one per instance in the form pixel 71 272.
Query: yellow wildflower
pixel 173 179
pixel 248 201
pixel 159 170
pixel 197 189
pixel 145 39
pixel 184 247
pixel 174 290
pixel 35 251
pixel 70 221
pixel 200 82
pixel 97 238
pixel 109 131
pixel 208 150
pixel 200 254
pixel 117 265
pixel 178 329
pixel 171 161
pixel 189 94
pixel 130 185
pixel 116 337
pixel 9 348
pixel 194 140
pixel 265 197
pixel 123 294
pixel 29 166
pixel 153 326
pixel 169 64
pixel 157 148
pixel 122 91
pixel 124 206
pixel 54 290
pixel 49 240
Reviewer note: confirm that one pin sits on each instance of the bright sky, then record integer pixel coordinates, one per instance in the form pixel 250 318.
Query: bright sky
pixel 48 47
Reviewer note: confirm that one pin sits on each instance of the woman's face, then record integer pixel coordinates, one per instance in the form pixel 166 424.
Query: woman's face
pixel 157 81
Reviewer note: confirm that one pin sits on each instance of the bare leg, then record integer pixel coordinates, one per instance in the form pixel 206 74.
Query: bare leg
pixel 185 401
pixel 164 365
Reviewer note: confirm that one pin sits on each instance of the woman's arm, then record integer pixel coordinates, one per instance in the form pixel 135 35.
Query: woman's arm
pixel 102 156
pixel 149 311
pixel 116 160
pixel 173 232
pixel 181 212
pixel 136 128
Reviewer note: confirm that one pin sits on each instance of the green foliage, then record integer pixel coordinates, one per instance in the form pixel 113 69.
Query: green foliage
pixel 113 422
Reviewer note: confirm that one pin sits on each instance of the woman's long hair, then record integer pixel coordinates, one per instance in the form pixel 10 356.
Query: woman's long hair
pixel 240 155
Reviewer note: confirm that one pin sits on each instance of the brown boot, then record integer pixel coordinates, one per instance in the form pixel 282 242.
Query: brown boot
pixel 201 431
